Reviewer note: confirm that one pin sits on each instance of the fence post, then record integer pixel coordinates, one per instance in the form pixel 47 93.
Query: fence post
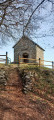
pixel 18 59
pixel 52 64
pixel 6 58
pixel 39 62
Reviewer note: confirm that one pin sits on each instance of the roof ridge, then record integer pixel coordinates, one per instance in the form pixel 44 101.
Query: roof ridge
pixel 30 40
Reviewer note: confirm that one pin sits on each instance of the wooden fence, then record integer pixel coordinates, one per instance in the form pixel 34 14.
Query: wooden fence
pixel 6 58
pixel 38 62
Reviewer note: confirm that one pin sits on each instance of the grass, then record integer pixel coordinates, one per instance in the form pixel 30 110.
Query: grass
pixel 44 80
pixel 26 66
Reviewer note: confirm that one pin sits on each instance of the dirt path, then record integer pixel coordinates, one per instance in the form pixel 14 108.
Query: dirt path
pixel 14 105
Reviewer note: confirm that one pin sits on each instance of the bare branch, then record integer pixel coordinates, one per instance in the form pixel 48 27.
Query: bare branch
pixel 33 13
pixel 24 16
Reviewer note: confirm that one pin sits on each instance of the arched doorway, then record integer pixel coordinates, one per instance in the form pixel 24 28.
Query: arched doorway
pixel 25 55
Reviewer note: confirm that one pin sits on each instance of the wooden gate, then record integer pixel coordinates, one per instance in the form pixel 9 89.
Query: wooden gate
pixel 4 60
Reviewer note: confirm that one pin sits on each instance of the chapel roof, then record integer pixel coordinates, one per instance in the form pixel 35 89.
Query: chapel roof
pixel 23 37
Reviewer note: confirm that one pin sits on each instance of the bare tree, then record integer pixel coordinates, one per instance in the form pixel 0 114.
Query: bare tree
pixel 24 16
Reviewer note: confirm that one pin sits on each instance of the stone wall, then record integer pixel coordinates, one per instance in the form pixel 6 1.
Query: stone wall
pixel 39 54
pixel 24 46
pixel 3 79
pixel 27 80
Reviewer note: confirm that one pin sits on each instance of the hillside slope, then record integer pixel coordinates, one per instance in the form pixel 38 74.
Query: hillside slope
pixel 37 104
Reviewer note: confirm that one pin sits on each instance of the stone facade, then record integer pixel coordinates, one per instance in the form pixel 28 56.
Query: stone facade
pixel 27 46
pixel 39 54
